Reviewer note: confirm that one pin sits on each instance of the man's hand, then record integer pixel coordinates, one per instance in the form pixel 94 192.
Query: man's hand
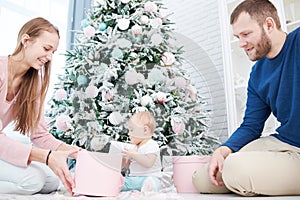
pixel 216 164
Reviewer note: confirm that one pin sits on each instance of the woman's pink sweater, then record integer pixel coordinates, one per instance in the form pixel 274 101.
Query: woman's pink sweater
pixel 13 151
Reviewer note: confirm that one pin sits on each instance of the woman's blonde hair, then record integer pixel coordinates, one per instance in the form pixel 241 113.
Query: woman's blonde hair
pixel 29 106
pixel 144 118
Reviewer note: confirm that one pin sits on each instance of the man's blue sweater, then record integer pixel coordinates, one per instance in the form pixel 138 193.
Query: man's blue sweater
pixel 274 86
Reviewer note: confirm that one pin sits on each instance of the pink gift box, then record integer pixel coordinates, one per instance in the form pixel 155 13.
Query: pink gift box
pixel 98 174
pixel 183 169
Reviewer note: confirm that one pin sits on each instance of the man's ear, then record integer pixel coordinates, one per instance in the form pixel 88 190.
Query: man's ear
pixel 269 24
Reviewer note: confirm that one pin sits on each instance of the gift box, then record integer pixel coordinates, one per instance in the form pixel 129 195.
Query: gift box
pixel 98 174
pixel 183 169
pixel 118 147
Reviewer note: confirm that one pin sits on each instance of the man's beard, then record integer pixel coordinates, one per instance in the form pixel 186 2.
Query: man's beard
pixel 262 48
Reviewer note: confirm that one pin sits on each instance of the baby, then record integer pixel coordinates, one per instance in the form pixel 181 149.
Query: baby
pixel 143 161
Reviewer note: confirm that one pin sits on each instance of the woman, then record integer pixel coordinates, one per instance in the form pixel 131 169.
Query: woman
pixel 24 80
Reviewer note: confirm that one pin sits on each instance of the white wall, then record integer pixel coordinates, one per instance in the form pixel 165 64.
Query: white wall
pixel 14 13
pixel 198 29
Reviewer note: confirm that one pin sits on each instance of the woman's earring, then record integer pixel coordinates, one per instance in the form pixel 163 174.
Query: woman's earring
pixel 24 46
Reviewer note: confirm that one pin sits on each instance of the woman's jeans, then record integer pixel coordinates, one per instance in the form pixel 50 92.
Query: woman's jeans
pixel 36 178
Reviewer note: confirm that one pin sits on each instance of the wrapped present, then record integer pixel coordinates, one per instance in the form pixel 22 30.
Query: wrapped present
pixel 98 174
pixel 183 169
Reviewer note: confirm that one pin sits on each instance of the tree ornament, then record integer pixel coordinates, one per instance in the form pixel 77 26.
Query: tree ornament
pixel 102 26
pixel 123 24
pixel 60 95
pixel 63 122
pixel 146 100
pixel 84 23
pixel 117 53
pixel 125 1
pixel 168 58
pixel 178 125
pixel 150 6
pixel 91 91
pixel 144 19
pixel 115 118
pixel 82 80
pixel 137 29
pixel 121 52
pixel 89 31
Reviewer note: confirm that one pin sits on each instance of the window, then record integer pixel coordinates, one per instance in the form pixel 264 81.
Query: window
pixel 14 13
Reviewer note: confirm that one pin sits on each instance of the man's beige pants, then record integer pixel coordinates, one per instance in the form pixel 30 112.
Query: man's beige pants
pixel 265 166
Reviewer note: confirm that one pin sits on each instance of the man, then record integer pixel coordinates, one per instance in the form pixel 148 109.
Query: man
pixel 247 163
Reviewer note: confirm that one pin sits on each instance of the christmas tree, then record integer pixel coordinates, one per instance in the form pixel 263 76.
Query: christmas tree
pixel 124 61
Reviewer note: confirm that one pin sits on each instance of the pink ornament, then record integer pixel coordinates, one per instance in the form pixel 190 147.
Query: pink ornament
pixel 63 122
pixel 178 125
pixel 168 58
pixel 150 6
pixel 91 91
pixel 156 23
pixel 160 97
pixel 60 95
pixel 89 31
pixel 136 29
pixel 180 82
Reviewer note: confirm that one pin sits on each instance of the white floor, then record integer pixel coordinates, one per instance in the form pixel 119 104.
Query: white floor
pixel 63 195
pixel 145 196
pixel 232 196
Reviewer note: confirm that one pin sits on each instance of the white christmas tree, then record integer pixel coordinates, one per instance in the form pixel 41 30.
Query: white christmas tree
pixel 124 61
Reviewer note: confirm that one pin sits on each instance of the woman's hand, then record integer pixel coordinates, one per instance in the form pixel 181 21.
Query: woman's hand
pixel 216 164
pixel 57 162
pixel 67 147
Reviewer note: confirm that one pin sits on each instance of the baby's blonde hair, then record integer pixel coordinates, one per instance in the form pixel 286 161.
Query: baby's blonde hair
pixel 144 118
